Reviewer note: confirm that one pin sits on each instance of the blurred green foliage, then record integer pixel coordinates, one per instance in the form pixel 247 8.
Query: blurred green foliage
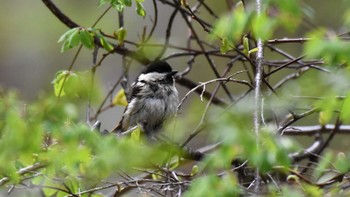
pixel 242 20
pixel 49 130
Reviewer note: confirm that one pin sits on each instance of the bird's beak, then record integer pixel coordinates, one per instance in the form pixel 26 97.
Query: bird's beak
pixel 172 73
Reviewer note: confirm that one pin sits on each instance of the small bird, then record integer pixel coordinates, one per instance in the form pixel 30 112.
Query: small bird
pixel 153 99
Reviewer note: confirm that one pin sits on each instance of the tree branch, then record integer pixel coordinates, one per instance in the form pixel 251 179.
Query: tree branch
pixel 257 93
pixel 313 129
pixel 22 171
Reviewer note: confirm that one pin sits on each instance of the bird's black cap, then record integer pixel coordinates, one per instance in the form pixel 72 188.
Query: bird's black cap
pixel 158 66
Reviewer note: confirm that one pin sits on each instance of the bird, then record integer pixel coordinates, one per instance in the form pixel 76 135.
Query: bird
pixel 153 100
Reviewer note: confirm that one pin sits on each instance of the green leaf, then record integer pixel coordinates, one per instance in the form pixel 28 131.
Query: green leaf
pixel 239 6
pixel 263 26
pixel 70 39
pixel 345 112
pixel 245 45
pixel 51 188
pixel 312 190
pixel 140 9
pixel 324 117
pixel 327 108
pixel 120 35
pixel 74 39
pixel 58 82
pixel 106 45
pixel 117 4
pixel 323 165
pixel 120 98
pixel 289 13
pixel 78 86
pixel 127 3
pixel 225 46
pixel 253 50
pixel 328 46
pixel 86 38
pixel 342 163
pixel 135 135
pixel 232 26
pixel 156 176
pixel 175 163
pixel 73 85
pixel 67 34
pixel 194 170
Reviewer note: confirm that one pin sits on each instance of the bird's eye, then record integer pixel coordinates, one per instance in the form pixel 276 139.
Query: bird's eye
pixel 143 81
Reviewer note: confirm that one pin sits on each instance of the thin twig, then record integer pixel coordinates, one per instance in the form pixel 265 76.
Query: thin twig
pixel 284 65
pixel 208 58
pixel 294 118
pixel 168 33
pixel 190 85
pixel 226 79
pixel 155 22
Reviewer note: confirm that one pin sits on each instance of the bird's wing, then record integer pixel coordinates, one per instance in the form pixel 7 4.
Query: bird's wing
pixel 132 108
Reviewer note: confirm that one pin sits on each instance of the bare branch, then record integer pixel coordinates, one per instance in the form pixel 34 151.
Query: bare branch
pixel 227 79
pixel 312 129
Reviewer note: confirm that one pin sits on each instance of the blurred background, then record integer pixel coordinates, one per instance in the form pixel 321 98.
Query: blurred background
pixel 30 55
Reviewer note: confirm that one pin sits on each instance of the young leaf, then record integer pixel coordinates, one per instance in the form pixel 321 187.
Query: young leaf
pixel 327 110
pixel 232 26
pixel 156 177
pixel 65 46
pixel 140 9
pixel 245 45
pixel 135 135
pixel 71 39
pixel 74 39
pixel 106 45
pixel 225 46
pixel 86 38
pixel 120 35
pixel 194 170
pixel 127 3
pixel 58 82
pixel 120 98
pixel 253 50
pixel 66 35
pixel 117 4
